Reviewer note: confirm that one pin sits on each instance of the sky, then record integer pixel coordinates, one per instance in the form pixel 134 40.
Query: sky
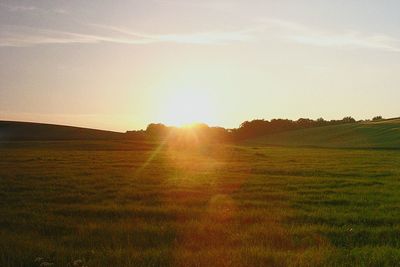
pixel 120 65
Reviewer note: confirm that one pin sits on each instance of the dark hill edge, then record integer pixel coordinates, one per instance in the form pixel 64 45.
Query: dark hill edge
pixel 376 133
pixel 27 131
pixel 31 131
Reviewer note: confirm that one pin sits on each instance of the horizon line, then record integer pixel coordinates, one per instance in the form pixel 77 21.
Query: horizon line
pixel 179 127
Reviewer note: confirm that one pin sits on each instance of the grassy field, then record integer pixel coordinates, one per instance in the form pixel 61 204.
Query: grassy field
pixel 148 204
pixel 377 134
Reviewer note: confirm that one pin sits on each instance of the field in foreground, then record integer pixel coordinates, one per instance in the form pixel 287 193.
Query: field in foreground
pixel 146 204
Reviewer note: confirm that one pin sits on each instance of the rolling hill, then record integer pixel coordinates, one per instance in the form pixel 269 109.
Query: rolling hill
pixel 379 134
pixel 25 131
pixel 374 134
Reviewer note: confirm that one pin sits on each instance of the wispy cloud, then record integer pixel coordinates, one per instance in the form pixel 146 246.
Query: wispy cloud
pixel 302 34
pixel 32 8
pixel 351 39
pixel 205 4
pixel 15 36
pixel 16 8
pixel 210 37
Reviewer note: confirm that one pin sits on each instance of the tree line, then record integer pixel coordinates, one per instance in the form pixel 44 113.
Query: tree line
pixel 246 130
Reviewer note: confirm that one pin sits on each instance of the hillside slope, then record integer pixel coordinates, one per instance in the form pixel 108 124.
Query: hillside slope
pixel 12 131
pixel 380 134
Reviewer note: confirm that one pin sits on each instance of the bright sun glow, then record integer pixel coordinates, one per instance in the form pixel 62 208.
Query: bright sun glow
pixel 188 106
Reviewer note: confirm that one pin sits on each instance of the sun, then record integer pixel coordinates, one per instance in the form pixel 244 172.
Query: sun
pixel 188 106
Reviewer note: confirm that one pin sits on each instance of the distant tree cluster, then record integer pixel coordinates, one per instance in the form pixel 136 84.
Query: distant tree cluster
pixel 255 128
pixel 246 130
pixel 200 132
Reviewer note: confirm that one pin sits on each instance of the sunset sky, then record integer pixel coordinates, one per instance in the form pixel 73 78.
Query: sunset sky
pixel 120 65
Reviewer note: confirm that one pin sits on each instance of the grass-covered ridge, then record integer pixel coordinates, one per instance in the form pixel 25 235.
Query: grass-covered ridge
pixel 23 131
pixel 374 134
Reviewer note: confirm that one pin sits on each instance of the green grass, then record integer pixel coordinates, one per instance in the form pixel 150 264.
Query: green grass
pixel 138 204
pixel 379 134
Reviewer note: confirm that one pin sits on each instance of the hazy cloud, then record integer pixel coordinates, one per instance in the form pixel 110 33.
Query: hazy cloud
pixel 213 4
pixel 211 37
pixel 351 39
pixel 15 8
pixel 302 34
pixel 16 36
pixel 31 8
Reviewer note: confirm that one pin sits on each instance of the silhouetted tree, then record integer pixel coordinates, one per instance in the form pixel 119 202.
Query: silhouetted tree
pixel 321 122
pixel 348 120
pixel 305 123
pixel 377 118
pixel 156 130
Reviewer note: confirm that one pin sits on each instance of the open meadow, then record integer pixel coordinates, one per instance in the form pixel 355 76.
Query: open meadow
pixel 187 133
pixel 125 203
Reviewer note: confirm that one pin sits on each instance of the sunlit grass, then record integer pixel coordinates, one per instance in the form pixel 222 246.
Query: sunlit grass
pixel 210 205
